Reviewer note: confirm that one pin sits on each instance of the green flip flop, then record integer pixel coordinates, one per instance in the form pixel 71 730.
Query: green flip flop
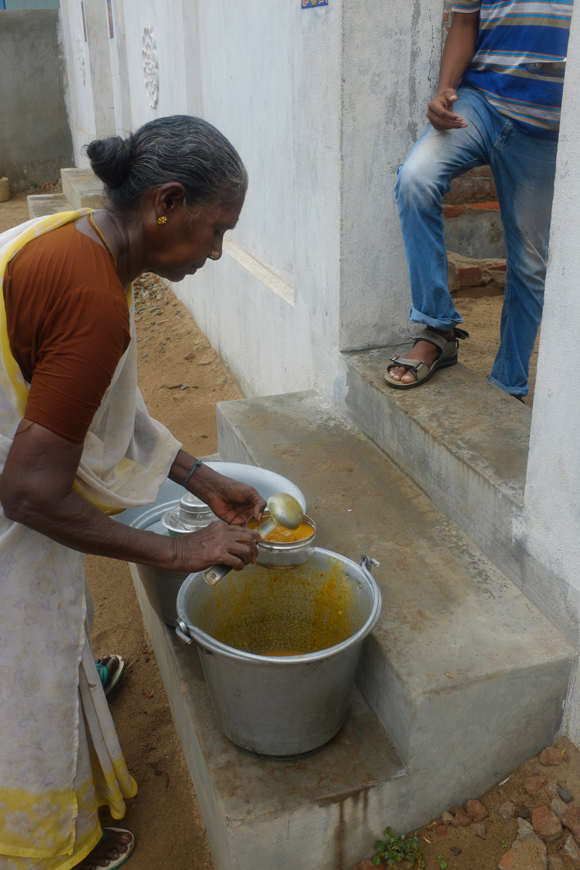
pixel 447 357
pixel 109 682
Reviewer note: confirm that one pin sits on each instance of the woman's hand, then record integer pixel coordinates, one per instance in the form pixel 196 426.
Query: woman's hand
pixel 217 544
pixel 231 501
pixel 235 502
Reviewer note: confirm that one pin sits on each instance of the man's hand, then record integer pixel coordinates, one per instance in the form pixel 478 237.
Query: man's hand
pixel 440 112
pixel 457 55
pixel 217 544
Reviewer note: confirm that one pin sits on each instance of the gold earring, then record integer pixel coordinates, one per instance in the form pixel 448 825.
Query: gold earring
pixel 162 220
pixel 215 255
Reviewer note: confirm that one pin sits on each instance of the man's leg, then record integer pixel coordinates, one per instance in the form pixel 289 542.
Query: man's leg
pixel 523 168
pixel 422 182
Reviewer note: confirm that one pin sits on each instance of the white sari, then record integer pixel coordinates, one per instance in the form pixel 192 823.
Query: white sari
pixel 60 758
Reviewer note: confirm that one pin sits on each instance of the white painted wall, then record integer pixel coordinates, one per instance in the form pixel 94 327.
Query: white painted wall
pixel 322 104
pixel 164 18
pixel 80 88
pixel 271 81
pixel 391 59
pixel 550 532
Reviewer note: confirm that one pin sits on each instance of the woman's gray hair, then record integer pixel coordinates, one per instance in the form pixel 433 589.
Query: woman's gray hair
pixel 177 148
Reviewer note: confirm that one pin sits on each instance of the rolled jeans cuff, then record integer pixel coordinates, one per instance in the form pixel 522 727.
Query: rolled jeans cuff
pixel 513 391
pixel 418 317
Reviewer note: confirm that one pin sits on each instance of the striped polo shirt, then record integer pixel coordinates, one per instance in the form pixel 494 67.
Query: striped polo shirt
pixel 519 57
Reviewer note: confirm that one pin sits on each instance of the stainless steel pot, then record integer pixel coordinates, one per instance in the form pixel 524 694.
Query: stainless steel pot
pixel 265 701
pixel 162 586
pixel 287 554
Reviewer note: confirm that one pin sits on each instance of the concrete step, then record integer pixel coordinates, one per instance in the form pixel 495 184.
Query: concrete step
pixel 467 677
pixel 461 681
pixel 462 440
pixel 311 813
pixel 41 205
pixel 83 189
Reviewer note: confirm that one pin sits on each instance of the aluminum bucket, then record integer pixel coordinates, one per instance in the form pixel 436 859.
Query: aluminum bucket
pixel 272 704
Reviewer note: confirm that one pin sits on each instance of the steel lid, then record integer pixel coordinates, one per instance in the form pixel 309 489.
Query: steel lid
pixel 189 515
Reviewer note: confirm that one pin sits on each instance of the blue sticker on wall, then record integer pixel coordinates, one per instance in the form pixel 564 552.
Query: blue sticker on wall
pixel 311 4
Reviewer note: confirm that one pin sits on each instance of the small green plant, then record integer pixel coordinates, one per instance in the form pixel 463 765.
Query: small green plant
pixel 443 865
pixel 504 844
pixel 397 847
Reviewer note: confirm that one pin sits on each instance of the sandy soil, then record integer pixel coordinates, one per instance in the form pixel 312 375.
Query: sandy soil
pixel 481 315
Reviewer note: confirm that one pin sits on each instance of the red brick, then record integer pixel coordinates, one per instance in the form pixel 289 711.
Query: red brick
pixel 469 276
pixel 534 783
pixel 546 824
pixel 476 811
pixel 442 830
pixel 485 205
pixel 453 211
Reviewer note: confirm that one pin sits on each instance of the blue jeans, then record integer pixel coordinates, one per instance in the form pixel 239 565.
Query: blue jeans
pixel 523 168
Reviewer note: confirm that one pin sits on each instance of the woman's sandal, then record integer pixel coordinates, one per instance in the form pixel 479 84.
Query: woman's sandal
pixel 110 677
pixel 123 856
pixel 447 357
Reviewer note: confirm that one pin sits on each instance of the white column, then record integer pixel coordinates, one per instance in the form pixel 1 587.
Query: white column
pixel 551 533
pixel 100 67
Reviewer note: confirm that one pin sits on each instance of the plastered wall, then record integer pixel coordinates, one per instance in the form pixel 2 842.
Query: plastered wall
pixel 323 105
pixel 35 139
pixel 550 530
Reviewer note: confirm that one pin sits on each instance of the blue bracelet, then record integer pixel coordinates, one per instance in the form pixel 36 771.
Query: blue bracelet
pixel 195 467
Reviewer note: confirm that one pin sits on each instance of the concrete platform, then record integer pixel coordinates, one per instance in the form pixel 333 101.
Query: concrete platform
pixel 463 676
pixel 462 440
pixel 311 813
pixel 40 205
pixel 83 189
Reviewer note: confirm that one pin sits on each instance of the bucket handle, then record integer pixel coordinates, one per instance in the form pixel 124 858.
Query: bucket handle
pixel 182 632
pixel 367 563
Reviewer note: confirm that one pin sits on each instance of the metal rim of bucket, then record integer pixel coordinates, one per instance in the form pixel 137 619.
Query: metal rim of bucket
pixel 188 632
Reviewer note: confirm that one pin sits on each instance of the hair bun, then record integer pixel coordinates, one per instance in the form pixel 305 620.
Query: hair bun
pixel 110 160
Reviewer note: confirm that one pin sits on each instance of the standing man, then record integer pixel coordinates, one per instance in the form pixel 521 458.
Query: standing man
pixel 498 103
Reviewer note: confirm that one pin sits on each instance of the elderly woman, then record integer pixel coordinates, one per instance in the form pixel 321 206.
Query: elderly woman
pixel 77 445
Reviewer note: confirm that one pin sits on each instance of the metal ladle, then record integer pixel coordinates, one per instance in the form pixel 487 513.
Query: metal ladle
pixel 284 511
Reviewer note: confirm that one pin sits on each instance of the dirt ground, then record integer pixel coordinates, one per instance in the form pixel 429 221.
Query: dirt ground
pixel 461 848
pixel 481 315
pixel 182 378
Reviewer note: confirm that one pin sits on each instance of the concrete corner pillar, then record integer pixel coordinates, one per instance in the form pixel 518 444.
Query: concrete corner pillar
pixel 100 67
pixel 391 58
pixel 551 527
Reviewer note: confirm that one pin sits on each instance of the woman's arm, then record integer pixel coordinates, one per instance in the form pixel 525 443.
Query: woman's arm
pixel 230 500
pixel 457 55
pixel 36 490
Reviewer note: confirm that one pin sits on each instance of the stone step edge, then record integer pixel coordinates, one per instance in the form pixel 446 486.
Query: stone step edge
pixel 228 831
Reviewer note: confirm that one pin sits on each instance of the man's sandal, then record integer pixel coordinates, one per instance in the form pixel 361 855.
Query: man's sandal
pixel 123 856
pixel 110 677
pixel 447 357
